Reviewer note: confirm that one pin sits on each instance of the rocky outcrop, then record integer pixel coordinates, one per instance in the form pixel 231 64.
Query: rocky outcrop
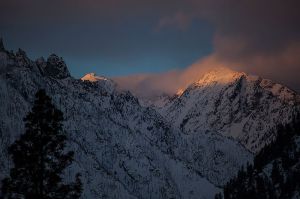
pixel 56 67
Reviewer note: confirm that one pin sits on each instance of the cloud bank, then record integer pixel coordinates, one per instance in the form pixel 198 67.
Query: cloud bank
pixel 149 85
pixel 257 37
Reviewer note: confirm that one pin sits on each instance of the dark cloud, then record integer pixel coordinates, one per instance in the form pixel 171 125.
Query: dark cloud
pixel 72 11
pixel 260 37
pixel 265 26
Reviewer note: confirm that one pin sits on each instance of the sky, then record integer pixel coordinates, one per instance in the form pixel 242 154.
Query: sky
pixel 159 45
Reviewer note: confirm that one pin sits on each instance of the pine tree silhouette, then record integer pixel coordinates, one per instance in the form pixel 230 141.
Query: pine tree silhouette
pixel 276 175
pixel 39 157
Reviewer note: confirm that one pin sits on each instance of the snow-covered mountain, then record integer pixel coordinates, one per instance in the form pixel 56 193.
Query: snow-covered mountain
pixel 155 101
pixel 234 104
pixel 122 149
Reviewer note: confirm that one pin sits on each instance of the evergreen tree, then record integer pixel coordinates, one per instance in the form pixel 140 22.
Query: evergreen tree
pixel 39 157
pixel 276 175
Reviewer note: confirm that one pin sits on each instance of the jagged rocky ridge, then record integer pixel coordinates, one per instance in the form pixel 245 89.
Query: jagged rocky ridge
pixel 122 150
pixel 244 107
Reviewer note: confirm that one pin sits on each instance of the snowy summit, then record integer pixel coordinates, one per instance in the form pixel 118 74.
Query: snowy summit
pixel 92 77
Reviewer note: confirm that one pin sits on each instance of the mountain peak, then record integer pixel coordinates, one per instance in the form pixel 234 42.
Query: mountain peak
pixel 92 77
pixel 21 53
pixel 107 84
pixel 179 92
pixel 220 75
pixel 22 59
pixel 244 107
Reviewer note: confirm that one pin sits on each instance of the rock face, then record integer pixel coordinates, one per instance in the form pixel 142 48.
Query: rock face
pixel 21 59
pixel 234 104
pixel 1 45
pixel 56 67
pixel 122 149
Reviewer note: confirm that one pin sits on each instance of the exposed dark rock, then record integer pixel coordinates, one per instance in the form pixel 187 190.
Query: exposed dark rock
pixel 56 67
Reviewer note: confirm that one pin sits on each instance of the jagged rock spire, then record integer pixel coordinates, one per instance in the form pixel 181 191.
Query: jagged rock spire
pixel 1 44
pixel 21 52
pixel 56 67
pixel 22 58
